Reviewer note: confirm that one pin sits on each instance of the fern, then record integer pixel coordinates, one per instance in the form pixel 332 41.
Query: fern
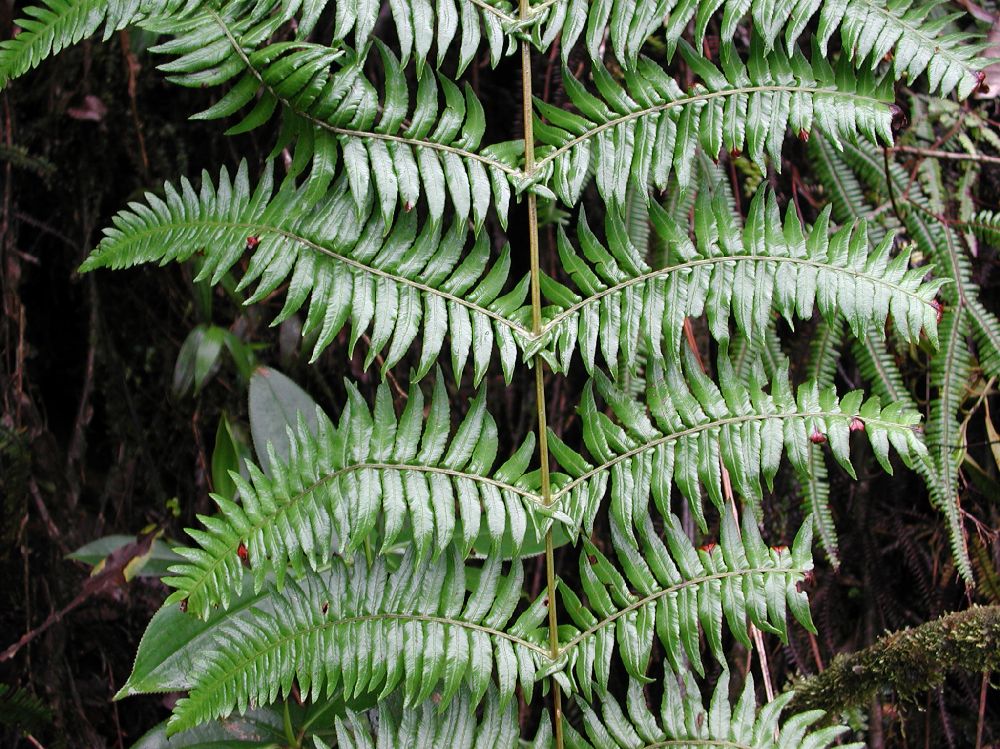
pixel 679 592
pixel 701 429
pixel 726 272
pixel 342 262
pixel 330 493
pixel 367 629
pixel 377 569
pixel 869 30
pixel 330 115
pixel 646 128
pixel 685 721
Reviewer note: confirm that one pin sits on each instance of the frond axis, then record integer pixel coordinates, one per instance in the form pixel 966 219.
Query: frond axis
pixel 293 502
pixel 569 311
pixel 693 582
pixel 315 122
pixel 256 229
pixel 652 444
pixel 695 99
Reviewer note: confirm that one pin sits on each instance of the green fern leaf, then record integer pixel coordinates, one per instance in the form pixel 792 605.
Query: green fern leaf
pixel 367 630
pixel 457 726
pixel 698 428
pixel 919 38
pixel 48 28
pixel 327 498
pixel 331 115
pixel 684 721
pixel 344 264
pixel 679 592
pixel 727 271
pixel 641 130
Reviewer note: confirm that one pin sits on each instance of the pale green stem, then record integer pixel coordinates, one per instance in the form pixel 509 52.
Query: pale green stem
pixel 536 328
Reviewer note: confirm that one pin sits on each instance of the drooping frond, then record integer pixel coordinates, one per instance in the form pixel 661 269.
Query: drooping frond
pixel 951 365
pixel 698 428
pixel 369 630
pixel 951 369
pixel 331 112
pixel 457 726
pixel 52 25
pixel 452 24
pixel 345 265
pixel 412 473
pixel 645 128
pixel 916 35
pixel 727 271
pixel 685 721
pixel 918 39
pixel 675 592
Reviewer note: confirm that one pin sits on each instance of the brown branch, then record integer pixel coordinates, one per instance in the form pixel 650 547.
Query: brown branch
pixel 910 661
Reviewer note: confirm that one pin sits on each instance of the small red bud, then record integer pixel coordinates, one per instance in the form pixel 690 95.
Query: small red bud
pixel 243 554
pixel 817 438
pixel 252 242
pixel 735 153
pixel 407 207
pixel 982 87
pixel 804 135
pixel 592 559
pixel 707 548
pixel 857 425
pixel 781 549
pixel 938 309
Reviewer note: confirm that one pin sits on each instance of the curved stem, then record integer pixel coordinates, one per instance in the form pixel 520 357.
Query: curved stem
pixel 536 329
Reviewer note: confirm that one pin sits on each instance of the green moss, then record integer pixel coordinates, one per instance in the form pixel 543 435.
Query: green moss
pixel 910 661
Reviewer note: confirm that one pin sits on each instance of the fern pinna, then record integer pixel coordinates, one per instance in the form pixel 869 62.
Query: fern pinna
pixel 375 569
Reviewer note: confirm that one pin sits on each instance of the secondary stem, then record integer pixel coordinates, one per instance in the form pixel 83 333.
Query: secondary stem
pixel 536 327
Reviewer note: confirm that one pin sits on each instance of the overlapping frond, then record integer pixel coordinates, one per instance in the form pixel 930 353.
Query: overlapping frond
pixel 699 428
pixel 919 36
pixel 52 25
pixel 728 271
pixel 332 113
pixel 451 24
pixel 643 129
pixel 343 263
pixel 365 629
pixel 674 592
pixel 685 721
pixel 409 476
pixel 457 726
pixel 964 313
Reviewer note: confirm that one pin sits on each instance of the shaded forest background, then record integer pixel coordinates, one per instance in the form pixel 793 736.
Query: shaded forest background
pixel 94 441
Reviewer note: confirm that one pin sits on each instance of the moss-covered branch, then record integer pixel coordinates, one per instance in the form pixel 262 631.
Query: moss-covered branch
pixel 910 661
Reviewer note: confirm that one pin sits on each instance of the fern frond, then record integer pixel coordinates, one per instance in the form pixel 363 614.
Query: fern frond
pixel 918 38
pixel 727 271
pixel 336 115
pixel 457 726
pixel 640 130
pixel 328 497
pixel 366 629
pixel 52 25
pixel 951 369
pixel 344 264
pixel 21 709
pixel 679 592
pixel 685 721
pixel 419 24
pixel 701 428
